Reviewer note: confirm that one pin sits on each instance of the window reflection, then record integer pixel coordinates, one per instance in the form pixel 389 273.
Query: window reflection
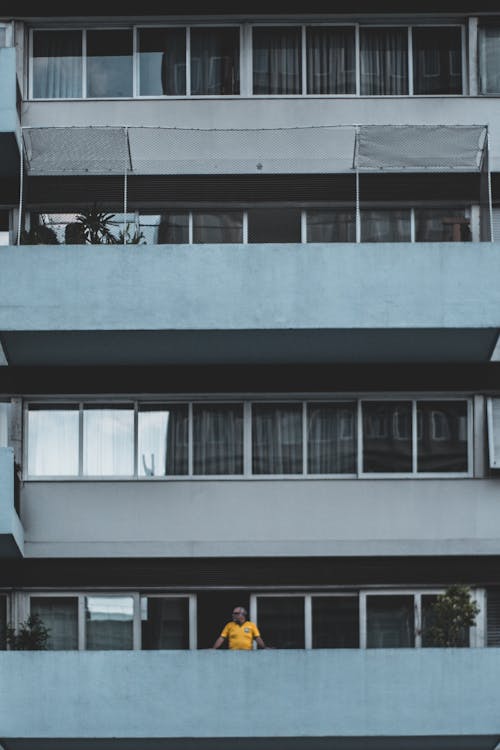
pixel 163 440
pixel 390 621
pixel 165 622
pixel 109 63
pixel 109 622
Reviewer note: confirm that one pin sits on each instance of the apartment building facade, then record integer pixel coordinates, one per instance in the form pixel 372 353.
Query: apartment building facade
pixel 249 319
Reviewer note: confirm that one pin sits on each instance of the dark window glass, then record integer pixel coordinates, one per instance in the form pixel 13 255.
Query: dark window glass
pixel 218 439
pixel 331 438
pixel 489 60
pixel 162 62
pixel 4 220
pixel 162 440
pixel 429 620
pixel 390 622
pixel 277 60
pixel 335 622
pixel 173 228
pixel 274 225
pixel 281 621
pixel 109 63
pixel 215 61
pixel 60 616
pixel 384 61
pixel 385 225
pixel 3 622
pixel 277 439
pixel 442 436
pixel 331 225
pixel 387 436
pixel 331 65
pixel 437 61
pixel 109 622
pixel 217 227
pixel 165 622
pixel 493 617
pixel 57 64
pixel 442 225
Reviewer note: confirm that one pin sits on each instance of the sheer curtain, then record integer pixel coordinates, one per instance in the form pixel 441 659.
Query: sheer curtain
pixel 277 439
pixel 489 60
pixel 331 225
pixel 108 441
pixel 53 442
pixel 383 225
pixel 218 227
pixel 218 439
pixel 215 57
pixel 60 615
pixel 331 439
pixel 384 61
pixel 57 64
pixel 330 60
pixel 277 58
pixel 162 62
pixel 163 440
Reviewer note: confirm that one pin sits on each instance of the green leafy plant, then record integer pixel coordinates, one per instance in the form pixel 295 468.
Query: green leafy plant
pixel 39 234
pixel 450 617
pixel 96 226
pixel 31 635
pixel 128 237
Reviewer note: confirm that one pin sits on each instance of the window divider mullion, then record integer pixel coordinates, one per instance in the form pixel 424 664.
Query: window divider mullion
pixel 418 619
pixel 410 60
pixel 362 620
pixel 190 439
pixel 304 59
pixel 303 226
pixel 412 225
pixel 80 439
pixel 359 415
pixel 304 438
pixel 414 436
pixel 136 439
pixel 245 227
pixel 84 64
pixel 308 622
pixel 247 438
pixel 135 64
pixel 81 622
pixel 188 60
pixel 357 59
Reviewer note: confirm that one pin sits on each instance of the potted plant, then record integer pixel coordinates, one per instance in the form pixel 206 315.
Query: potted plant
pixel 450 618
pixel 31 635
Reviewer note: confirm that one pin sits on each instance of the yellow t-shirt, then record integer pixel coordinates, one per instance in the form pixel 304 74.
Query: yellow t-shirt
pixel 240 636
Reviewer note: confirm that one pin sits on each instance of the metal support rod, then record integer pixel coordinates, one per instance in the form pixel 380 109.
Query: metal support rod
pixel 490 198
pixel 21 190
pixel 125 188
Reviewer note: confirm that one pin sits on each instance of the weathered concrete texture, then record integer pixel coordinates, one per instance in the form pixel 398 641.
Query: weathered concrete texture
pixel 432 692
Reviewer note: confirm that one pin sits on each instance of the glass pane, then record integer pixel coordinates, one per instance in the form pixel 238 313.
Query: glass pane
pixel 387 436
pixel 281 620
pixel 277 60
pixel 60 615
pixel 57 64
pixel 442 225
pixel 274 225
pixel 331 438
pixel 277 439
pixel 165 622
pixel 3 623
pixel 109 63
pixel 109 622
pixel 53 441
pixel 390 621
pixel 217 227
pixel 163 440
pixel 386 225
pixel 335 622
pixel 162 62
pixel 215 61
pixel 489 60
pixel 331 226
pixel 437 61
pixel 108 441
pixel 442 436
pixel 331 67
pixel 218 439
pixel 173 229
pixel 384 61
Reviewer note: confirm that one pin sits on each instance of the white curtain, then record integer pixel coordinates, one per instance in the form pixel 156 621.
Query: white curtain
pixel 277 439
pixel 489 60
pixel 57 64
pixel 331 439
pixel 330 60
pixel 218 439
pixel 108 442
pixel 384 61
pixel 277 57
pixel 53 442
pixel 215 61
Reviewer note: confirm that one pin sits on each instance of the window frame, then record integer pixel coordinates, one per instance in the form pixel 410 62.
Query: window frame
pixel 246 56
pixel 247 402
pixel 137 596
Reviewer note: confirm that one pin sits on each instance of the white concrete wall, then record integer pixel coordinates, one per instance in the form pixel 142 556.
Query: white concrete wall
pixel 340 693
pixel 280 517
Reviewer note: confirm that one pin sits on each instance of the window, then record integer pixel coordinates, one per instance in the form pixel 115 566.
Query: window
pixel 112 621
pixel 109 63
pixel 4 227
pixel 331 225
pixel 442 225
pixel 215 58
pixel 493 407
pixel 217 227
pixel 392 618
pixel 60 616
pixel 331 62
pixel 57 65
pixel 437 60
pixel 3 622
pixel 162 62
pixel 385 225
pixel 277 439
pixel 384 61
pixel 306 438
pixel 274 225
pixel 277 60
pixel 489 60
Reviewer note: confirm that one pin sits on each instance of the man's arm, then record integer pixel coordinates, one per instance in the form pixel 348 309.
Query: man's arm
pixel 218 643
pixel 260 643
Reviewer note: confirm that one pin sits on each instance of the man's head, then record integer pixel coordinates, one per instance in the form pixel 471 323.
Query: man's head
pixel 239 614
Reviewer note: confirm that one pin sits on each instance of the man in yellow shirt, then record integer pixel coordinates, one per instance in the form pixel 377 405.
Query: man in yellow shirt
pixel 240 633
